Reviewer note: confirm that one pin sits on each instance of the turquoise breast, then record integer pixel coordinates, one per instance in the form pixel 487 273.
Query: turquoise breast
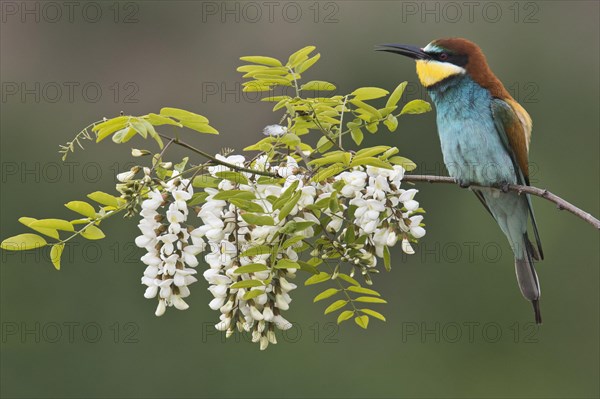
pixel 472 149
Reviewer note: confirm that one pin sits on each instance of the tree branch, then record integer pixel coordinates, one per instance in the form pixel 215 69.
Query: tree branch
pixel 216 160
pixel 561 204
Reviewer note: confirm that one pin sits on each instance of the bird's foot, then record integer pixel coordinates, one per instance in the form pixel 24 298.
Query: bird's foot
pixel 504 187
pixel 464 183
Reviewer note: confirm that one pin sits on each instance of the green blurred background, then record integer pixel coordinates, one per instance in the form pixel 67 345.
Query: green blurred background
pixel 457 324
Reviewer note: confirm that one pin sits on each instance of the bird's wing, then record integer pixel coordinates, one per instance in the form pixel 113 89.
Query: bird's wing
pixel 513 125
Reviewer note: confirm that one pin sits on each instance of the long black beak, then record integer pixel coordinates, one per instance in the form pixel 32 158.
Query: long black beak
pixel 403 49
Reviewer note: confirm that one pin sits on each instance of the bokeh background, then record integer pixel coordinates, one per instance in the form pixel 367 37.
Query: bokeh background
pixel 457 324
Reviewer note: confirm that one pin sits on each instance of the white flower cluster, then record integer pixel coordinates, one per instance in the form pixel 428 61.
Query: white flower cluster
pixel 254 226
pixel 384 211
pixel 247 290
pixel 167 241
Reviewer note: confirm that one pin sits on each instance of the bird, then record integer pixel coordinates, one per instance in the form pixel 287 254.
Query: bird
pixel 484 135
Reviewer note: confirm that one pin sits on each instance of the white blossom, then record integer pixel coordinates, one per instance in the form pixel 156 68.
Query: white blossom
pixel 168 249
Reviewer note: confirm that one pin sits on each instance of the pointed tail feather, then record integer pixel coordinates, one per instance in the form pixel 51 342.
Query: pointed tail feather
pixel 528 279
pixel 537 311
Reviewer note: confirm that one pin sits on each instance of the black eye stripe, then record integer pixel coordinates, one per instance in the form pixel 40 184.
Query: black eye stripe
pixel 456 59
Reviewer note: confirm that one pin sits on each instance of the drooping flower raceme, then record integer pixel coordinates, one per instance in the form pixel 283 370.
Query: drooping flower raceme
pixel 246 275
pixel 384 211
pixel 170 258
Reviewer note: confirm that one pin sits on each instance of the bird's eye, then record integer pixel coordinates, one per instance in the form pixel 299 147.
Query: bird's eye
pixel 443 56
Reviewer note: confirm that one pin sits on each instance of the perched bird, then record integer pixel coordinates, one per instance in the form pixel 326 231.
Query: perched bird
pixel 484 134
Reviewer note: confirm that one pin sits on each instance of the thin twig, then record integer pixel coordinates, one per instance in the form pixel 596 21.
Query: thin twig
pixel 561 204
pixel 216 160
pixel 304 158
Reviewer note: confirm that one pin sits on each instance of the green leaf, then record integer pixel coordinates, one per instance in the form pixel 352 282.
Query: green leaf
pixel 247 206
pixel 205 181
pixel 373 313
pixel 290 139
pixel 255 86
pixel 275 98
pixel 252 294
pixel 23 242
pixel 348 279
pixel 371 151
pixel 340 303
pixel 291 241
pixel 300 56
pixel 370 299
pixel 345 315
pixel 317 278
pixel 239 194
pixel 262 145
pixel 139 127
pixel 324 174
pixel 106 128
pixel 308 63
pixel 367 108
pixel 56 224
pixel 251 68
pixel 317 85
pixel 416 107
pixel 300 226
pixel 356 134
pixel 326 294
pixel 307 267
pixel 315 261
pixel 362 321
pixel 159 120
pixel 286 195
pixel 363 290
pixel 372 126
pixel 92 233
pixel 113 123
pixel 391 122
pixel 81 207
pixel 406 163
pixel 390 152
pixel 287 208
pixel 156 138
pixel 123 135
pixel 200 127
pixel 273 79
pixel 330 158
pixel 48 232
pixel 372 161
pixel 386 111
pixel 55 254
pixel 286 264
pixel 251 268
pixel 180 167
pixel 235 177
pixel 255 251
pixel 258 220
pixel 104 198
pixel 387 262
pixel 267 71
pixel 396 95
pixel 324 144
pixel 247 284
pixel 369 93
pixel 198 198
pixel 257 59
pixel 183 115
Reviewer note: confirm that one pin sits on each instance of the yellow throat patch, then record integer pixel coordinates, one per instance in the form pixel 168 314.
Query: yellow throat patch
pixel 432 72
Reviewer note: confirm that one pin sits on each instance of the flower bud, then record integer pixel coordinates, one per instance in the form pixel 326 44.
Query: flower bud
pixel 139 153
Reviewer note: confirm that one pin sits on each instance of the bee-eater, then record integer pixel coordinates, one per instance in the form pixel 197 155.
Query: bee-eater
pixel 484 135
